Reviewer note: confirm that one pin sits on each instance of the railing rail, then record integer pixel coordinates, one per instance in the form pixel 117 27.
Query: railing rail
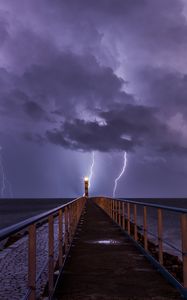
pixel 148 204
pixel 124 212
pixel 12 229
pixel 67 217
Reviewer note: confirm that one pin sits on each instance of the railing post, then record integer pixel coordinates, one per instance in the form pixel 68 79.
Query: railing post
pixel 66 229
pixel 123 214
pixel 70 223
pixel 110 208
pixel 32 262
pixel 60 238
pixel 119 213
pixel 135 223
pixel 118 205
pixel 113 210
pixel 145 227
pixel 77 213
pixel 128 219
pixel 160 236
pixel 116 214
pixel 74 218
pixel 184 247
pixel 116 211
pixel 51 255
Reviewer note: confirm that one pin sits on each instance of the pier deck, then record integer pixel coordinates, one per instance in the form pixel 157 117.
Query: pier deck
pixel 104 264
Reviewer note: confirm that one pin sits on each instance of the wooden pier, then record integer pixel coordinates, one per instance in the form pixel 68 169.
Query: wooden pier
pixel 104 263
pixel 95 249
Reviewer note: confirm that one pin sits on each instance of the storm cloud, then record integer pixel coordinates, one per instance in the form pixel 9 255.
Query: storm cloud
pixel 128 128
pixel 83 76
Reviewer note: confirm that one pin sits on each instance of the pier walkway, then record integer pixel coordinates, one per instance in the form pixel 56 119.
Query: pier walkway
pixel 104 263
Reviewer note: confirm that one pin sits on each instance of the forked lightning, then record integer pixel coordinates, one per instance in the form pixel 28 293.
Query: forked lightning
pixel 91 168
pixel 120 175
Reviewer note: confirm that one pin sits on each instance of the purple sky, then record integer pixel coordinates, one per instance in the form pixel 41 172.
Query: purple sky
pixel 107 76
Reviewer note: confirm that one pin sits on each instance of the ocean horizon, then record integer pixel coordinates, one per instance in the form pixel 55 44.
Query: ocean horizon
pixel 16 210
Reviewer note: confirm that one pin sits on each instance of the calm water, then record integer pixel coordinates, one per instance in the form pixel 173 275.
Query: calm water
pixel 16 210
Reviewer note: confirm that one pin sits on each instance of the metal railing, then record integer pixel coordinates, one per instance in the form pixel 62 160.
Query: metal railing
pixel 125 214
pixel 67 217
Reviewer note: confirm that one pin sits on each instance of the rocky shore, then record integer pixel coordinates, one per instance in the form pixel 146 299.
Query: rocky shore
pixel 170 261
pixel 14 263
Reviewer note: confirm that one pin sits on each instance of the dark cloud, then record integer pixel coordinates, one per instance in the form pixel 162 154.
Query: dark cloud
pixel 35 138
pixel 147 24
pixel 69 78
pixel 165 88
pixel 88 136
pixel 3 30
pixel 56 137
pixel 132 119
pixel 125 128
pixel 34 110
pixel 128 127
pixel 115 8
pixel 94 75
pixel 65 86
pixel 174 149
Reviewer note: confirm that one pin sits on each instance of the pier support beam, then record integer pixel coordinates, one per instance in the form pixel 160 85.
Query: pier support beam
pixel 51 255
pixel 32 262
pixel 160 236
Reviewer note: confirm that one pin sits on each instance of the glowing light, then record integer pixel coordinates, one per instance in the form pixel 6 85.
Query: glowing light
pixel 89 178
pixel 121 173
pixel 91 168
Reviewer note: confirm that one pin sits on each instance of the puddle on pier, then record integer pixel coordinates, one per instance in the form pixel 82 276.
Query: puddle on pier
pixel 106 242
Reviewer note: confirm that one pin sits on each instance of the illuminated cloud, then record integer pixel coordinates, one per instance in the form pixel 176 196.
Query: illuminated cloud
pixel 92 75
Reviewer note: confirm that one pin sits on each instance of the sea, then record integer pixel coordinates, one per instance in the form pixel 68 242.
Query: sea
pixel 15 210
pixel 172 239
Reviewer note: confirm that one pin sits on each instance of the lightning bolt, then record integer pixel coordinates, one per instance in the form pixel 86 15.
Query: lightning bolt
pixel 91 168
pixel 5 183
pixel 121 173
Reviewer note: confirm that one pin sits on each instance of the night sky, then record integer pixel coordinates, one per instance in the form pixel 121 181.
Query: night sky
pixel 80 76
